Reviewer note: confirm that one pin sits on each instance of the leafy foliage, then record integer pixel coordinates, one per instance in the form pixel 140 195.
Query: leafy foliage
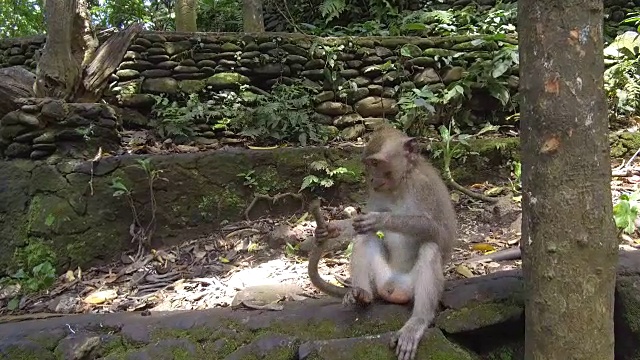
pixel 326 176
pixel 420 106
pixel 284 115
pixel 622 79
pixel 625 212
pixel 33 269
pixel 21 18
pixel 220 15
pixel 171 119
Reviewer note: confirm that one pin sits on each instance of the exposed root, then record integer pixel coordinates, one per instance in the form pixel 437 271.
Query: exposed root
pixel 452 183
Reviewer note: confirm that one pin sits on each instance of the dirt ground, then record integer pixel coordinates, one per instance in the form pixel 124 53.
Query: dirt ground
pixel 211 271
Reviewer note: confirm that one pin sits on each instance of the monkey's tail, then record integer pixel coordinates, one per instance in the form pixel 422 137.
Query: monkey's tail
pixel 316 254
pixel 332 290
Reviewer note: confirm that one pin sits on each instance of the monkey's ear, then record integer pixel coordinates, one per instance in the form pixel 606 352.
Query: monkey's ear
pixel 411 145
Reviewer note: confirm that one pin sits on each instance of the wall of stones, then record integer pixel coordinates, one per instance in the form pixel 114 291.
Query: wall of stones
pixel 172 63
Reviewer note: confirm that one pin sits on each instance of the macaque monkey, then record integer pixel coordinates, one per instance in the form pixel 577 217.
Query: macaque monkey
pixel 410 205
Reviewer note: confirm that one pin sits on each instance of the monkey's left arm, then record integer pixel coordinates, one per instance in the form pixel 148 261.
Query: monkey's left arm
pixel 422 226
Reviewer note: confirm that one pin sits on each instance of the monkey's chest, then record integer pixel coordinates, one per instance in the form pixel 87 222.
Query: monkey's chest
pixel 401 254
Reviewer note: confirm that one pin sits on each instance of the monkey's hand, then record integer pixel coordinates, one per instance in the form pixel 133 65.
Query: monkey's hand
pixel 369 222
pixel 329 232
pixel 406 340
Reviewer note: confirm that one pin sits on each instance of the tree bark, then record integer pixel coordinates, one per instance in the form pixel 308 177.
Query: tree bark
pixel 252 16
pixel 568 234
pixel 186 15
pixel 58 71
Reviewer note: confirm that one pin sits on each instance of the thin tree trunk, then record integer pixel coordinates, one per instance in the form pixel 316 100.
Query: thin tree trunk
pixel 186 15
pixel 252 16
pixel 568 234
pixel 58 71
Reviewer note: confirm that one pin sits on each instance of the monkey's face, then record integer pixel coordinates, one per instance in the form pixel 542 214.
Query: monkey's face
pixel 383 175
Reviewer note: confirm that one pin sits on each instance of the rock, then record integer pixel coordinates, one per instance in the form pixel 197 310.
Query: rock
pixel 139 65
pixel 127 74
pixel 18 150
pixel 333 108
pixel 353 132
pixel 348 119
pixel 321 119
pixel 207 63
pixel 78 346
pixel 374 106
pixel 227 80
pixel 422 61
pixel 383 52
pixel 39 154
pixel 349 73
pixel 230 47
pixel 156 73
pixel 317 74
pixel 192 86
pixel 28 137
pixel 65 304
pixel 314 64
pixel 140 101
pixel 186 69
pixel 173 48
pixel 11 131
pixel 273 70
pixel 453 74
pixel 425 77
pixel 433 346
pixel 324 96
pixel 54 109
pixel 46 138
pixel 371 71
pixel 352 95
pixel 160 85
pixel 16 60
pixel 371 123
pixel 167 65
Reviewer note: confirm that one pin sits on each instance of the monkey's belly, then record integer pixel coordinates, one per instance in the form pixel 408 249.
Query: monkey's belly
pixel 401 254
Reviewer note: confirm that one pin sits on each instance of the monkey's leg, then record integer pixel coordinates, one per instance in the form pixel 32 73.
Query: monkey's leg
pixel 367 260
pixel 428 286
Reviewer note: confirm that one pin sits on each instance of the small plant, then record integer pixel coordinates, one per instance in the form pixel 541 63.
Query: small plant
pixel 325 180
pixel 285 114
pixel 249 179
pixel 171 119
pixel 625 212
pixel 457 149
pixel 515 180
pixel 141 234
pixel 35 270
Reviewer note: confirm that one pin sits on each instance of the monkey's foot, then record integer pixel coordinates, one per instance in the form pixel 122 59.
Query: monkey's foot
pixel 357 296
pixel 407 339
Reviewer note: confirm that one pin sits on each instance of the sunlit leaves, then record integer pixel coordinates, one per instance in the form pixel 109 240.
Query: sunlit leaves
pixel 21 18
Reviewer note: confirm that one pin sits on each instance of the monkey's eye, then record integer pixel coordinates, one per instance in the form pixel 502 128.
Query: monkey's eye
pixel 387 174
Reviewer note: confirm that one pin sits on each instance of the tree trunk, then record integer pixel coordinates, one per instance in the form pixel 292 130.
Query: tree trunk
pixel 70 46
pixel 568 234
pixel 252 16
pixel 186 15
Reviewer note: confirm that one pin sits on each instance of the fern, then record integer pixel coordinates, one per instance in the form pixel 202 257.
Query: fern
pixel 332 9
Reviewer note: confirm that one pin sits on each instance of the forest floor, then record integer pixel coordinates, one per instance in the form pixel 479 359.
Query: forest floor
pixel 248 263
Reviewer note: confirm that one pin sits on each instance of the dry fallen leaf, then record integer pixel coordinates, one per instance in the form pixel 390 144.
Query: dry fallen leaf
pixel 464 271
pixel 101 296
pixel 484 247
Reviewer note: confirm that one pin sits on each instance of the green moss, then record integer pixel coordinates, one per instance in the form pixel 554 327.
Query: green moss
pixel 269 181
pixel 477 316
pixel 18 352
pixel 624 144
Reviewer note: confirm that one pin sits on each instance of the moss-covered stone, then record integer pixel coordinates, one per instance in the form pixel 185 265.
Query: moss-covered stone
pixel 478 316
pixel 227 80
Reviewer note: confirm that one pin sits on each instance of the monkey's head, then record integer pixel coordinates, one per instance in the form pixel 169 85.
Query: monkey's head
pixel 390 155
